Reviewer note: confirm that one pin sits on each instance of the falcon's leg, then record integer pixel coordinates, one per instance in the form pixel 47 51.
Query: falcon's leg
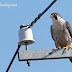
pixel 67 48
pixel 57 47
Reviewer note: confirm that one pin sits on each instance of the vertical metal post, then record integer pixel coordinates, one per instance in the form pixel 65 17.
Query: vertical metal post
pixel 28 62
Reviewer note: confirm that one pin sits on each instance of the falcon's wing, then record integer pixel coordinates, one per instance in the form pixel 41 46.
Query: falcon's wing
pixel 70 32
pixel 69 28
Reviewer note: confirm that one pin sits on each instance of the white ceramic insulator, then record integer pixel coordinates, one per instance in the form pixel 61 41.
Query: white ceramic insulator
pixel 25 36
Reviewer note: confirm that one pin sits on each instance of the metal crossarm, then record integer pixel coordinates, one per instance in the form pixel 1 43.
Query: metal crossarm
pixel 45 54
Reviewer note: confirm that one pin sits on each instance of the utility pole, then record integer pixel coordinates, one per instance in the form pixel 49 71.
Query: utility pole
pixel 22 37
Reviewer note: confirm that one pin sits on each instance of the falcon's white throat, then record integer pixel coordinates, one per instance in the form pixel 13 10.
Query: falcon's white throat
pixel 59 20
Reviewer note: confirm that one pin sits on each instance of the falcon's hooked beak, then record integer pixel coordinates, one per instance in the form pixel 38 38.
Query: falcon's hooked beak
pixel 54 15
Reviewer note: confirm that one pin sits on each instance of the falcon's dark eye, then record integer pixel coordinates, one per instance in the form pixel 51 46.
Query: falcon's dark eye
pixel 54 14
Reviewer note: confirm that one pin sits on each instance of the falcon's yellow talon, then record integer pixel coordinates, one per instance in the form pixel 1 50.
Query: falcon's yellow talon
pixel 67 48
pixel 57 47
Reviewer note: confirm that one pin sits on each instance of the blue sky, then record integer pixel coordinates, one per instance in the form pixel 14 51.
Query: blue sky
pixel 24 13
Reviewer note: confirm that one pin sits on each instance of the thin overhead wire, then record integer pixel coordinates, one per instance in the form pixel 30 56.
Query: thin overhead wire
pixel 13 58
pixel 36 19
pixel 39 16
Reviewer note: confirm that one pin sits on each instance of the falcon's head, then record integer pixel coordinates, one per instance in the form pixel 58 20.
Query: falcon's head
pixel 55 16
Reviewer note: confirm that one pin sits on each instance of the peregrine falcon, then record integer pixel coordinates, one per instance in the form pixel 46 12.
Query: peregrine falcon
pixel 61 32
